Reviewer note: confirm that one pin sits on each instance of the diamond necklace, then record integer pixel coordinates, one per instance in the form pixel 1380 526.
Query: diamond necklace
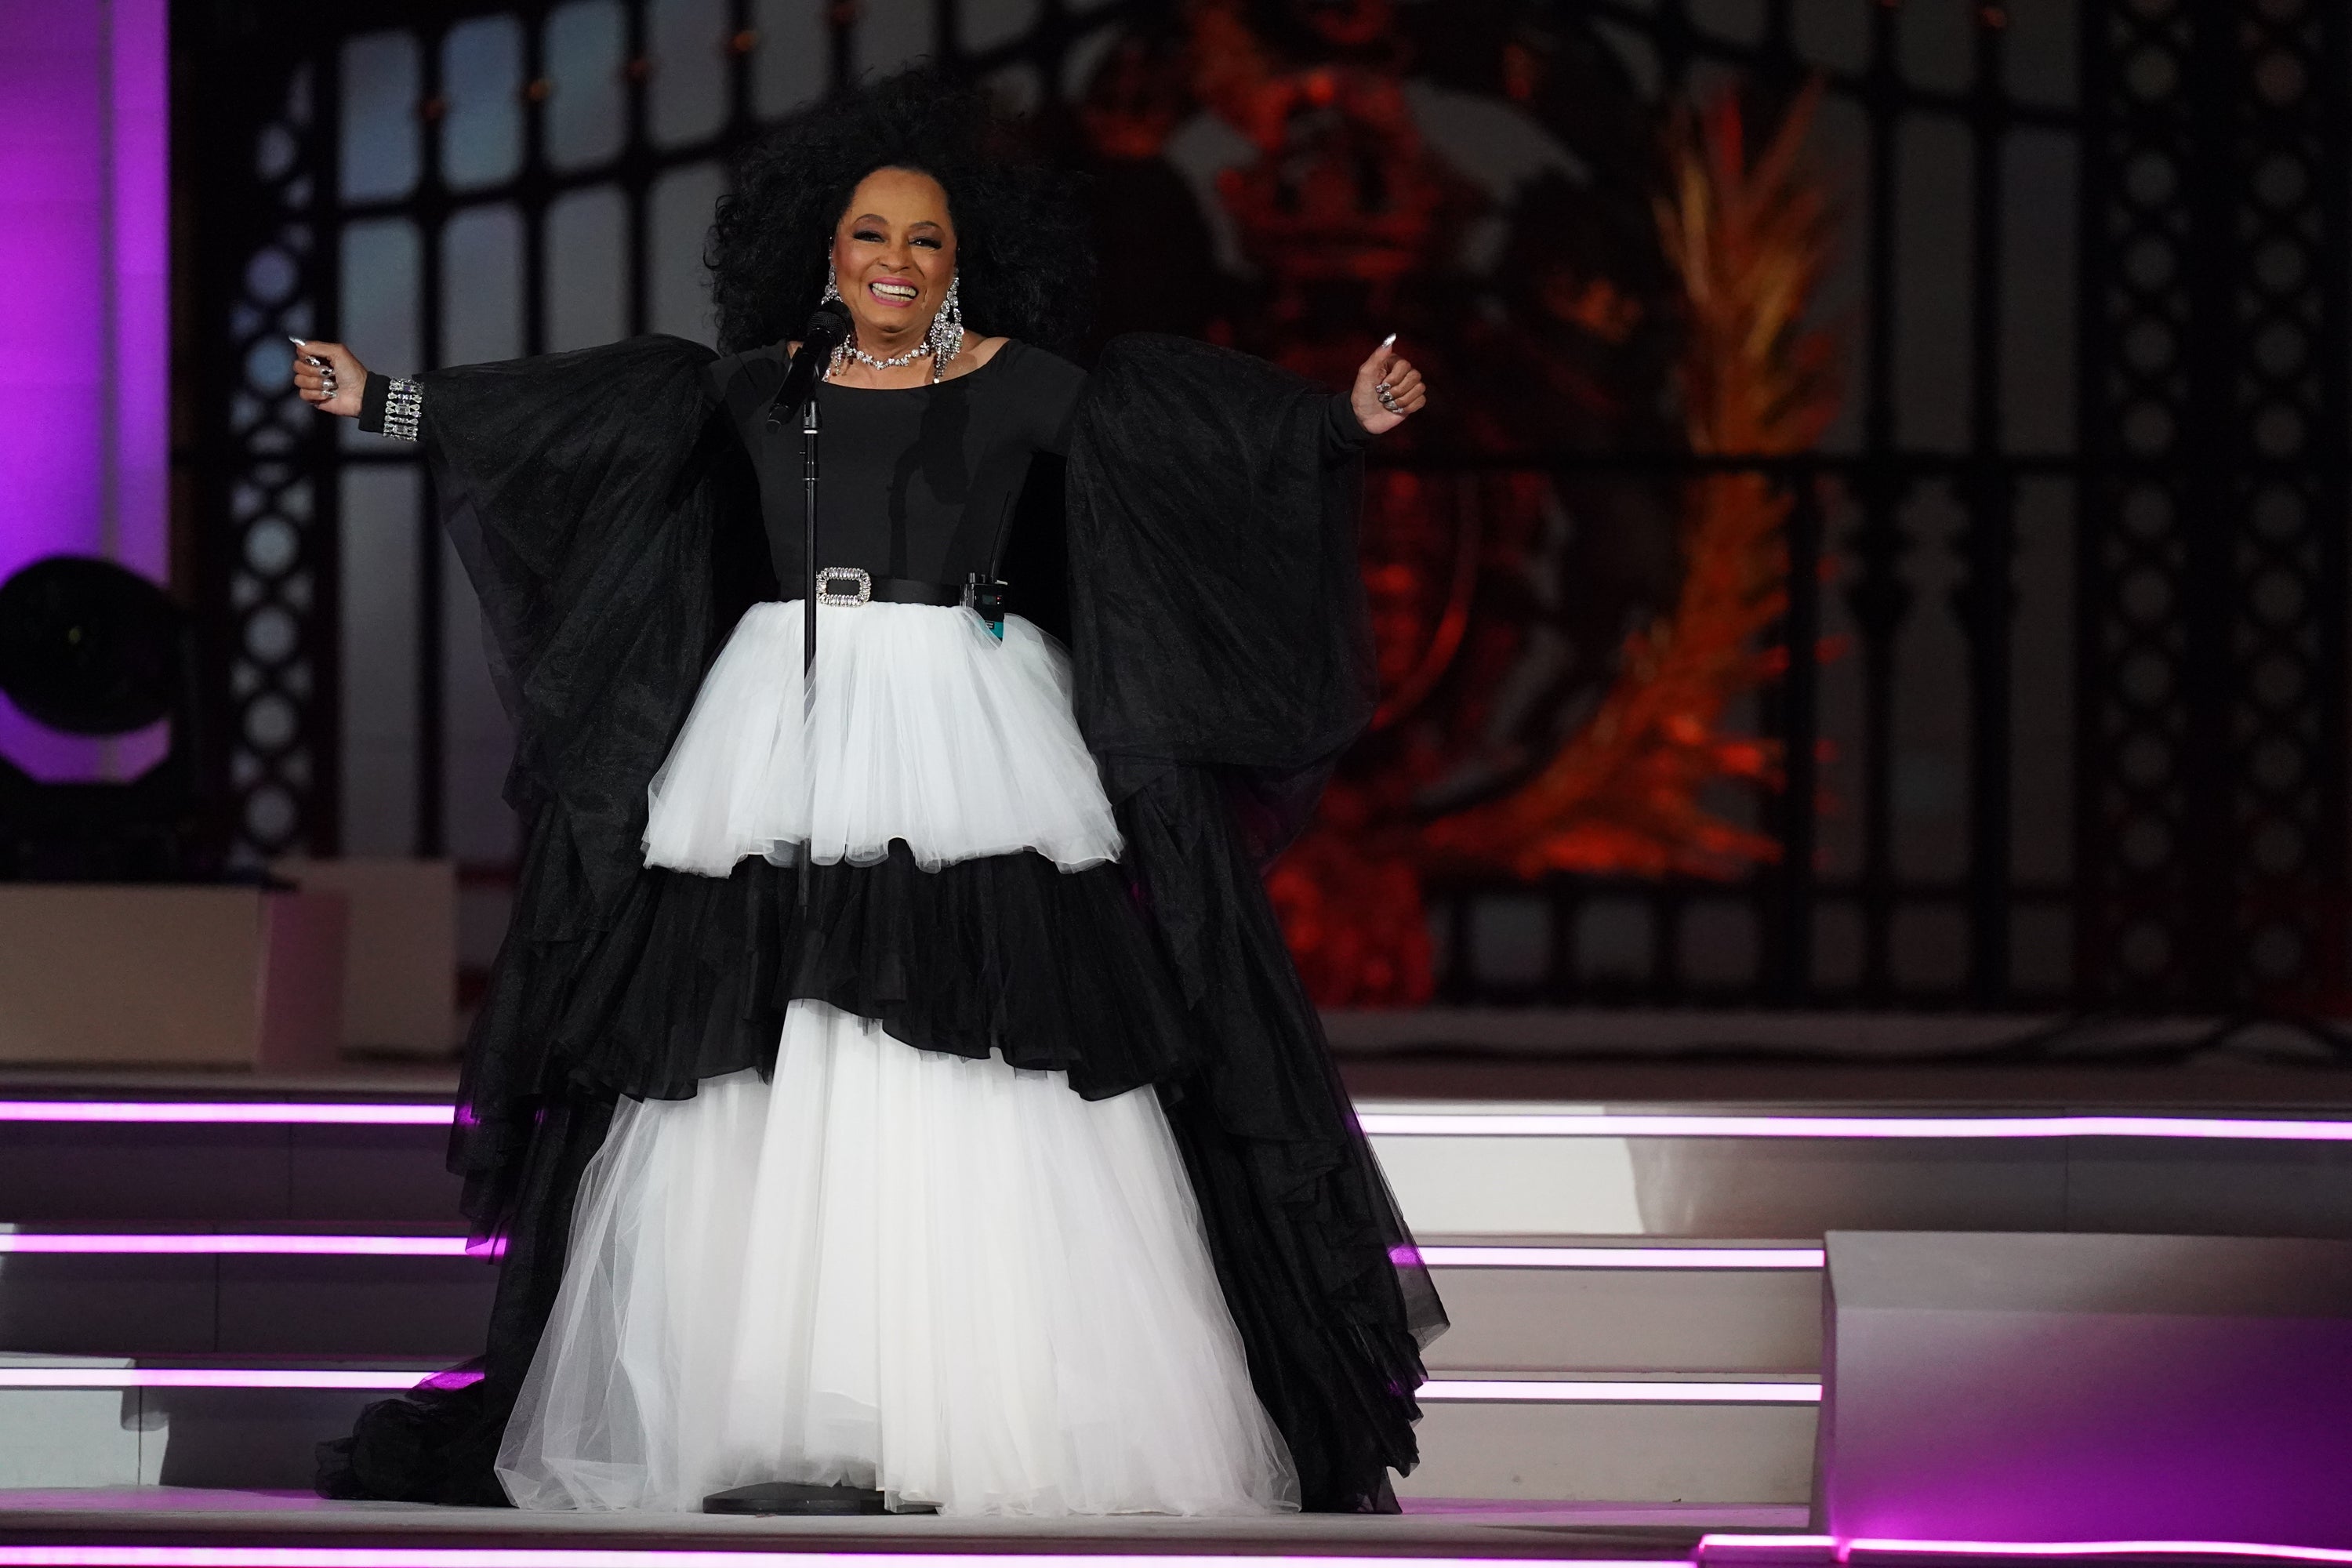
pixel 849 351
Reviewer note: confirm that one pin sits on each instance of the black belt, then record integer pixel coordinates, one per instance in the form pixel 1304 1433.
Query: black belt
pixel 851 586
pixel 854 586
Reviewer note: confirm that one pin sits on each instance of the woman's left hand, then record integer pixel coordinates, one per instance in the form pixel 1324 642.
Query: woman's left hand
pixel 1386 367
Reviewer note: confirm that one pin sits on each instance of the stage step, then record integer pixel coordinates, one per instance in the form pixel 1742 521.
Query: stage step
pixel 1570 1170
pixel 1606 1347
pixel 1490 1169
pixel 245 1174
pixel 103 1421
pixel 160 1526
pixel 1628 1450
pixel 180 1526
pixel 1635 1373
pixel 1552 1307
pixel 1577 1368
pixel 154 1292
pixel 79 1421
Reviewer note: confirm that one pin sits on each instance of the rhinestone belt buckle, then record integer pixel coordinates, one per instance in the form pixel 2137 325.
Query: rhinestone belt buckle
pixel 864 593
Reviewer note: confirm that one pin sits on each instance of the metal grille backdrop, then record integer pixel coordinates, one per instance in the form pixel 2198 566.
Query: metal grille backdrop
pixel 2084 521
pixel 2211 631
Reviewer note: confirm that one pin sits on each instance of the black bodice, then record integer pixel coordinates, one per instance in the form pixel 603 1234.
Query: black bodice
pixel 914 481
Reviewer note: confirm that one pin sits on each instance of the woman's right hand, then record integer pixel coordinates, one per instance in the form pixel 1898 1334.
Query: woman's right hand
pixel 350 379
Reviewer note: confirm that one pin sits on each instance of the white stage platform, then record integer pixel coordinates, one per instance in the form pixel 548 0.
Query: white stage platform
pixel 230 1522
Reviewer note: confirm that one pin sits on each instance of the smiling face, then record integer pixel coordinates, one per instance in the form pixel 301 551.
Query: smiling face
pixel 893 257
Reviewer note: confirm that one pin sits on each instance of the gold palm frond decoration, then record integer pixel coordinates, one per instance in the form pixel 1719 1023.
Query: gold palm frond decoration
pixel 1751 240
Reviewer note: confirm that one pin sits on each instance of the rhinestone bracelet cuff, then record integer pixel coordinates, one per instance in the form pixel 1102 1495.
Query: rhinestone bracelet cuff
pixel 403 409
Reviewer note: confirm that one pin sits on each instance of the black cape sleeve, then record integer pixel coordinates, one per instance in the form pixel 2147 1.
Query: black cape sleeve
pixel 1213 563
pixel 1222 659
pixel 568 486
pixel 608 527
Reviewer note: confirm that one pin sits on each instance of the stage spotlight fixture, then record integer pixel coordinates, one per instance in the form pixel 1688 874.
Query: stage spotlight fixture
pixel 89 649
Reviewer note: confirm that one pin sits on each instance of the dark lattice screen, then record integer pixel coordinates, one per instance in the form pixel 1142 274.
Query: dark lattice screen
pixel 2212 557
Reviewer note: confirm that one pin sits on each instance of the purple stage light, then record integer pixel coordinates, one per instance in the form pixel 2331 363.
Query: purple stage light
pixel 1789 1548
pixel 244 1377
pixel 230 1113
pixel 1620 1256
pixel 84 319
pixel 1552 1124
pixel 154 1556
pixel 2066 1548
pixel 143 1556
pixel 185 1244
pixel 1441 1390
pixel 1477 1391
pixel 1379 1124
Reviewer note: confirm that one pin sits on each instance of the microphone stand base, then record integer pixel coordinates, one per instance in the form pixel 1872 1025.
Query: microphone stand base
pixel 803 1498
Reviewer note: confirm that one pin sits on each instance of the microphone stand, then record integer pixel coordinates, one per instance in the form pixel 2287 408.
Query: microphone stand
pixel 827 327
pixel 808 625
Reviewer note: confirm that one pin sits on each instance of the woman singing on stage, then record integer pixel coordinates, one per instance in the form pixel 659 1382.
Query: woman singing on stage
pixel 894 1080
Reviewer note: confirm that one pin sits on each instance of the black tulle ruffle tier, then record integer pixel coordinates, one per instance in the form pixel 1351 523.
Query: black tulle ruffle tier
pixel 1004 954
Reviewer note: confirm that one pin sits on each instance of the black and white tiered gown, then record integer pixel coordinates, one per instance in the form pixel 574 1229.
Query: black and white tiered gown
pixel 1010 1175
pixel 946 1276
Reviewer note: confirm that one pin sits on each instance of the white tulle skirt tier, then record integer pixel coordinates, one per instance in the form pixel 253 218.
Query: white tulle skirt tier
pixel 955 1281
pixel 923 725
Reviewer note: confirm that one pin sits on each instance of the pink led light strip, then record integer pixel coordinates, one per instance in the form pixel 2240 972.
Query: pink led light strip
pixel 1511 1124
pixel 1448 1391
pixel 2100 1549
pixel 1621 1257
pixel 242 1246
pixel 128 1556
pixel 220 1377
pixel 1715 1546
pixel 1380 1123
pixel 1760 1541
pixel 1442 1390
pixel 231 1112
pixel 203 1245
pixel 1719 1548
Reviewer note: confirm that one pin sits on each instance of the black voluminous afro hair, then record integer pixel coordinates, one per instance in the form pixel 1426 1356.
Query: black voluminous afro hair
pixel 1025 254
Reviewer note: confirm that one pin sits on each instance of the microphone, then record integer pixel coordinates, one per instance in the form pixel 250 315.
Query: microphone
pixel 826 332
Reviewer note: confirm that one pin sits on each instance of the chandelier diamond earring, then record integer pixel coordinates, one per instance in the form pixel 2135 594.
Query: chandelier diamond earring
pixel 945 339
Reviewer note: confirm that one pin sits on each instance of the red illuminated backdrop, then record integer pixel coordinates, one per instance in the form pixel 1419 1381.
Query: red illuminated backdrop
pixel 1559 654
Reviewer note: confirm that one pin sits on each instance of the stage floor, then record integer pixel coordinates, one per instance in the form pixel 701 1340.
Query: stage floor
pixel 195 1517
